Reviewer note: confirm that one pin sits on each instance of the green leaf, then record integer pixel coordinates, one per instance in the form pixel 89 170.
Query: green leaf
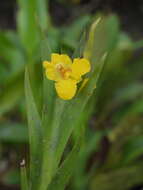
pixel 115 76
pixel 36 82
pixel 35 133
pixel 123 178
pixel 132 149
pixel 91 144
pixel 66 170
pixel 78 52
pixel 43 14
pixel 27 26
pixel 137 107
pixel 131 92
pixel 48 88
pixel 32 19
pixel 101 38
pixel 50 143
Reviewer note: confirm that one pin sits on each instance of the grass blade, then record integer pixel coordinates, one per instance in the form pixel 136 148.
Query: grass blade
pixel 35 133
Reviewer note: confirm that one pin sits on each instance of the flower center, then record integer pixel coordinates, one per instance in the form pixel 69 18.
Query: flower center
pixel 63 71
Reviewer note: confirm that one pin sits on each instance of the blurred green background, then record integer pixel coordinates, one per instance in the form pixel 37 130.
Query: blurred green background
pixel 112 154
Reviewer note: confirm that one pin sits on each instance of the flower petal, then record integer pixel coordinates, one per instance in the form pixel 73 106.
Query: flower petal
pixel 66 59
pixel 55 58
pixel 46 64
pixel 60 58
pixel 66 89
pixel 50 73
pixel 80 67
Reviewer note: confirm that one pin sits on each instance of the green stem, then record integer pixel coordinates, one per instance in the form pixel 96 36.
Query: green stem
pixel 24 181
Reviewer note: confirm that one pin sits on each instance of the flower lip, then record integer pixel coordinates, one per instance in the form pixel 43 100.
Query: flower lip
pixel 66 89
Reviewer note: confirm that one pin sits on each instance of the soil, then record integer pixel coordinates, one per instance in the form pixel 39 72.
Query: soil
pixel 13 187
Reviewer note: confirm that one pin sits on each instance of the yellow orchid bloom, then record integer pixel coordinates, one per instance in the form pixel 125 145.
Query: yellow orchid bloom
pixel 66 73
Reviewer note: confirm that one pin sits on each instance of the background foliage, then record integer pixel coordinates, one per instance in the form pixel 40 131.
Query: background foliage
pixel 111 152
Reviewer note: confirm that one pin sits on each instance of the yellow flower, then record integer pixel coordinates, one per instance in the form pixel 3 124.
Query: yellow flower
pixel 66 73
